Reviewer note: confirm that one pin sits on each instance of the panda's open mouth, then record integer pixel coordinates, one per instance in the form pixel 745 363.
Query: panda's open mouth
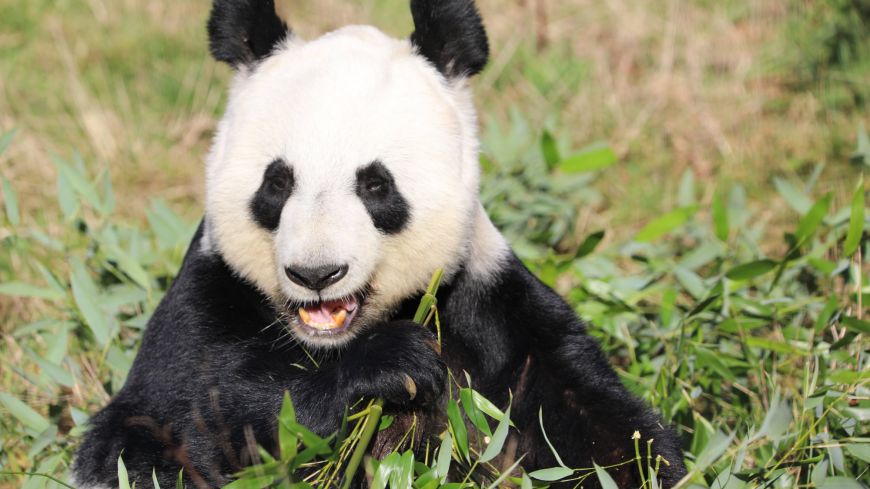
pixel 329 316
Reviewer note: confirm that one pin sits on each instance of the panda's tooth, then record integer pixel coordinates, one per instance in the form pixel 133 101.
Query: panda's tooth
pixel 303 314
pixel 339 318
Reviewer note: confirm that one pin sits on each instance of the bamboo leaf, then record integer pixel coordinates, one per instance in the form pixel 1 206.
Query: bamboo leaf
pixel 793 197
pixel 123 479
pixel 6 140
pixel 589 244
pixel 20 289
pixel 460 433
pixel 86 298
pixel 720 218
pixel 498 438
pixel 287 440
pixel 748 271
pixel 10 199
pixel 550 150
pixel 856 220
pixel 24 413
pixel 604 478
pixel 594 157
pixel 552 474
pixel 856 325
pixel 666 223
pixel 813 218
pixel 445 452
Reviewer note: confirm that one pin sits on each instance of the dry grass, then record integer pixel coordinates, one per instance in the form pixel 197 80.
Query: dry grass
pixel 672 85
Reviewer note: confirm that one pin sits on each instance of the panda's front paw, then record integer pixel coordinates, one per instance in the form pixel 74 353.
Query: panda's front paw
pixel 398 362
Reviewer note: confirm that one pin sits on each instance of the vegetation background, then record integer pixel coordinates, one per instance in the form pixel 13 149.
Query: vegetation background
pixel 688 173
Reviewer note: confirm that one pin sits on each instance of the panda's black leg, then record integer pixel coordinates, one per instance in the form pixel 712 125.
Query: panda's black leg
pixel 589 416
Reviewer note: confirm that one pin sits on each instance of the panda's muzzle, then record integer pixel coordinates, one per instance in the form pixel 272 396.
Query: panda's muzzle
pixel 316 278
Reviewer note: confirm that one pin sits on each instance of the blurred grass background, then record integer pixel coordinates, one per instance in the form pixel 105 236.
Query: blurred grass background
pixel 730 90
pixel 694 97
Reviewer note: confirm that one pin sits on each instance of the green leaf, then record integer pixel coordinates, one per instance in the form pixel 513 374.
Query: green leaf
pixel 24 413
pixel 123 479
pixel 551 474
pixel 487 406
pixel 66 199
pixel 78 181
pixel 859 450
pixel 20 289
pixel 855 324
pixel 793 197
pixel 498 438
pixel 686 191
pixel 457 425
pixel 6 140
pixel 666 223
pixel 154 479
pixel 811 220
pixel 11 201
pixel 841 483
pixel 774 345
pixel 714 449
pixel 474 414
pixel 819 473
pixel 707 359
pixel 386 467
pixel 402 476
pixel 86 298
pixel 287 440
pixel 748 271
pixel 445 452
pixel 593 157
pixel 856 220
pixel 720 218
pixel 526 483
pixel 604 478
pixel 589 244
pixel 550 150
pixel 547 438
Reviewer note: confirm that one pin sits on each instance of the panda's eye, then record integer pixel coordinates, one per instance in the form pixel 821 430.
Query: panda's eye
pixel 278 178
pixel 279 183
pixel 375 185
pixel 374 180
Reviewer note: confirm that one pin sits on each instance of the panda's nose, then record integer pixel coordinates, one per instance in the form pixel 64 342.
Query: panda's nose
pixel 316 278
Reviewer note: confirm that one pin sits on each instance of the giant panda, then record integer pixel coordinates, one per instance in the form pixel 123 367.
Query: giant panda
pixel 342 175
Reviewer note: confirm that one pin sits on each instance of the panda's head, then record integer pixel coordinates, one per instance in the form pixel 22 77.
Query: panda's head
pixel 345 170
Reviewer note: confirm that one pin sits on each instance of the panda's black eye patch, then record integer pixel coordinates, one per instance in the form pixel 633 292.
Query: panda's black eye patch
pixel 377 189
pixel 275 189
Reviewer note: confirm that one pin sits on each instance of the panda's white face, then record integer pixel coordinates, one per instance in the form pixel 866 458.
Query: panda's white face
pixel 343 174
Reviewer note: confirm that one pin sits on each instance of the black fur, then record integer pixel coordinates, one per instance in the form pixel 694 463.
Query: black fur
pixel 214 363
pixel 450 34
pixel 376 187
pixel 516 333
pixel 242 32
pixel 268 202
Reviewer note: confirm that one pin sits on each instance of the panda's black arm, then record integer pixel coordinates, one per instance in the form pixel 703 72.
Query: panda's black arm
pixel 512 331
pixel 211 374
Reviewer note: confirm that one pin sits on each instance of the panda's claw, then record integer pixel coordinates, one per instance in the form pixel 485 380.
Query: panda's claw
pixel 411 387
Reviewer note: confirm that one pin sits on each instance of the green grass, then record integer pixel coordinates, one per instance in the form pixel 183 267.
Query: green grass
pixel 683 173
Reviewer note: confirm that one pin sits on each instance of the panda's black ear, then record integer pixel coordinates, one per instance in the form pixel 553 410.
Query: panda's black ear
pixel 242 32
pixel 450 34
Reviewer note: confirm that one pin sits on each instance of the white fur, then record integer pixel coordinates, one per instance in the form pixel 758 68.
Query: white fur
pixel 329 107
